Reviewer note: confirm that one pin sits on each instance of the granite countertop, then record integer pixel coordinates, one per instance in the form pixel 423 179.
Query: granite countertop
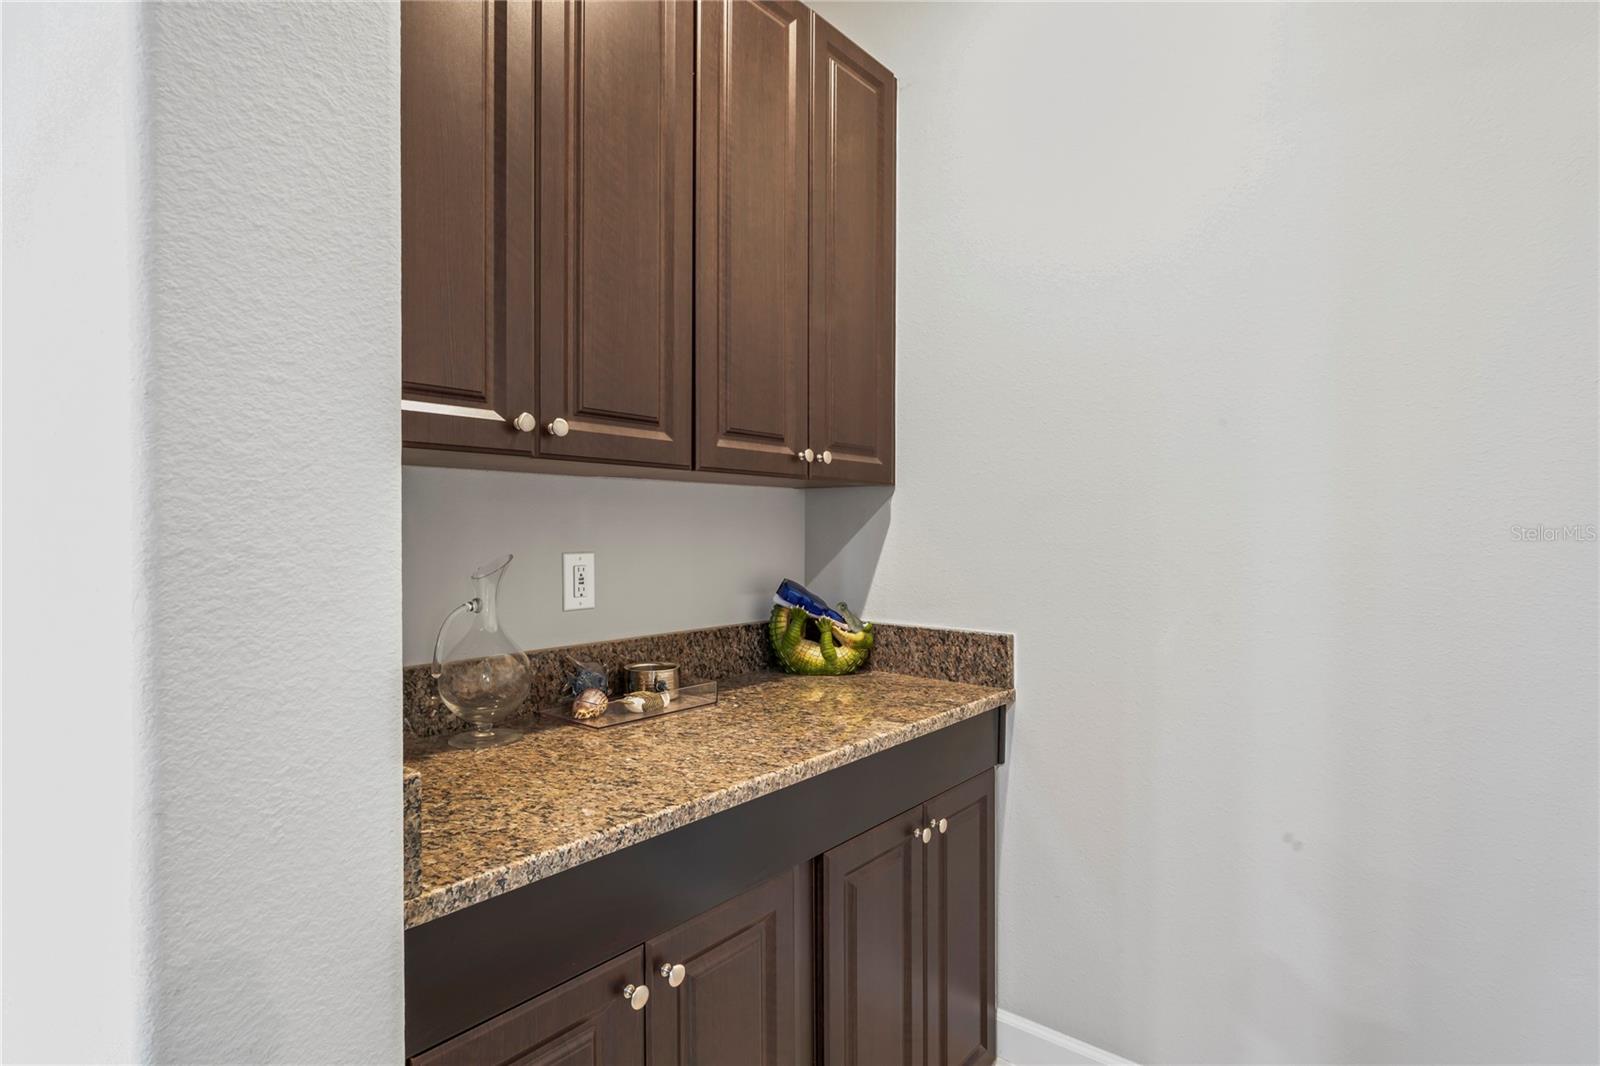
pixel 498 819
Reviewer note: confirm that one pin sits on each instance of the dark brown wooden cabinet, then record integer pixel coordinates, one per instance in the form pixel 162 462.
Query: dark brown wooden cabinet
pixel 872 919
pixel 613 179
pixel 908 966
pixel 585 1022
pixel 852 262
pixel 600 263
pixel 795 165
pixel 744 991
pixel 752 172
pixel 742 997
pixel 867 937
pixel 961 925
pixel 459 390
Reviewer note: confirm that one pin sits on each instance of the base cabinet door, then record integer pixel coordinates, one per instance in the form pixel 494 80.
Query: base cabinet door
pixel 961 924
pixel 588 1021
pixel 742 996
pixel 872 969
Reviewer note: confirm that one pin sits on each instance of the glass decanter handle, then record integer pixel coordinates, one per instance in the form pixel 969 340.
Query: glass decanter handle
pixel 438 644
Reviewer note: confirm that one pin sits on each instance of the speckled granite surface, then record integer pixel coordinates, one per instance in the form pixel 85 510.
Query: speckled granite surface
pixel 947 654
pixel 413 832
pixel 496 820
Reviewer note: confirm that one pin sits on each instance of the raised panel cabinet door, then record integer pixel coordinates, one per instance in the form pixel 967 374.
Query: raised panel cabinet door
pixel 743 997
pixel 852 262
pixel 459 390
pixel 961 925
pixel 753 146
pixel 616 203
pixel 585 1022
pixel 872 967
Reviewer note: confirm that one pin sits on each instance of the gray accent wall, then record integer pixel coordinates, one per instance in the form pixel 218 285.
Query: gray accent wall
pixel 668 555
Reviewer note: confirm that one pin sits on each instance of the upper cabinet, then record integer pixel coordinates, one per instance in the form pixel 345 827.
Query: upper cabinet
pixel 458 391
pixel 647 235
pixel 614 171
pixel 852 262
pixel 751 268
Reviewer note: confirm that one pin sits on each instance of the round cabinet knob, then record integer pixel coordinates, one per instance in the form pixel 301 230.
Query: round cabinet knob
pixel 558 427
pixel 808 455
pixel 827 457
pixel 525 423
pixel 636 995
pixel 924 834
pixel 674 973
pixel 944 825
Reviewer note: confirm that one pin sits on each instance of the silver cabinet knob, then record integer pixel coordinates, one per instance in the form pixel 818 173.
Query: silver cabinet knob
pixel 924 834
pixel 525 423
pixel 673 972
pixel 636 995
pixel 827 456
pixel 808 455
pixel 558 427
pixel 944 825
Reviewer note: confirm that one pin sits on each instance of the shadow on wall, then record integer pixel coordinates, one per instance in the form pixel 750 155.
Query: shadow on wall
pixel 845 531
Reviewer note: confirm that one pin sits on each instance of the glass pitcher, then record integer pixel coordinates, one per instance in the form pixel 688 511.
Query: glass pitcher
pixel 485 675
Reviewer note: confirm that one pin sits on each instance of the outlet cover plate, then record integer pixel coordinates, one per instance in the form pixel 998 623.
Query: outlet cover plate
pixel 577 581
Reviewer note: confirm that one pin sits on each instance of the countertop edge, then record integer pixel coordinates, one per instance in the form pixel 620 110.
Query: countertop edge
pixel 439 902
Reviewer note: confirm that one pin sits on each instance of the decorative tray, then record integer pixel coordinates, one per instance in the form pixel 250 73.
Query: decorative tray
pixel 618 711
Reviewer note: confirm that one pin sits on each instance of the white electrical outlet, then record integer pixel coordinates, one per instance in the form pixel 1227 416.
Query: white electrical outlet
pixel 577 581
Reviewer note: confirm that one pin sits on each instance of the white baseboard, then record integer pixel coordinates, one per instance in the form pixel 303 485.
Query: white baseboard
pixel 1027 1043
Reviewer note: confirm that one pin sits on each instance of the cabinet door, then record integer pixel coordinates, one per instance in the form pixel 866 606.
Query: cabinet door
pixel 961 925
pixel 873 947
pixel 458 389
pixel 585 1022
pixel 743 1000
pixel 615 187
pixel 751 155
pixel 852 262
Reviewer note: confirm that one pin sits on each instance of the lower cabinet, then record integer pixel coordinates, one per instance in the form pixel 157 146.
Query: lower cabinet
pixel 908 965
pixel 873 919
pixel 589 1021
pixel 732 987
pixel 880 952
pixel 729 988
pixel 961 924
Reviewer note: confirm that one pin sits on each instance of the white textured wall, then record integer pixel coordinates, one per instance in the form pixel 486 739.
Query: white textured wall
pixel 1259 328
pixel 667 555
pixel 74 827
pixel 275 483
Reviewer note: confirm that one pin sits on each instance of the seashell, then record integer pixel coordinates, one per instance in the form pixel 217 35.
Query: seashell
pixel 647 701
pixel 590 703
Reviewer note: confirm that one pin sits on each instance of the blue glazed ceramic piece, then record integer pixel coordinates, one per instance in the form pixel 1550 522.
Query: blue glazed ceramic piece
pixel 793 594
